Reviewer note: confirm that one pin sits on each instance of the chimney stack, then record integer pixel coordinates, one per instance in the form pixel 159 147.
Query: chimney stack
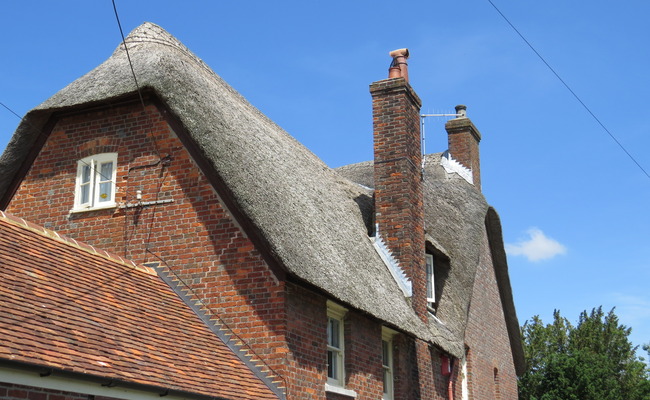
pixel 463 139
pixel 399 209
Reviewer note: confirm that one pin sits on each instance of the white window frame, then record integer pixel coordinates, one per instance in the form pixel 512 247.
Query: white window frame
pixel 388 377
pixel 94 182
pixel 431 282
pixel 335 315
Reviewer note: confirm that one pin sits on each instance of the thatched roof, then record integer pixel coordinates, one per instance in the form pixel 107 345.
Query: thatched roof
pixel 306 212
pixel 313 221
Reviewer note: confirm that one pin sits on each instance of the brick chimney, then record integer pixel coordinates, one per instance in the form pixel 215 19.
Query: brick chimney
pixel 399 210
pixel 463 139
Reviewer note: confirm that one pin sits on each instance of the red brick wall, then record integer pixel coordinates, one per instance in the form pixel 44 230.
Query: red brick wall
pixel 399 209
pixel 487 339
pixel 307 343
pixel 363 356
pixel 194 235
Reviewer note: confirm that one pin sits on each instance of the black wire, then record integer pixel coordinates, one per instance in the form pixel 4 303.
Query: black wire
pixel 570 90
pixel 135 79
pixel 11 111
pixel 128 57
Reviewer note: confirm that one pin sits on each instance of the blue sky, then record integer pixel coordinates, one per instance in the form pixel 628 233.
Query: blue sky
pixel 574 207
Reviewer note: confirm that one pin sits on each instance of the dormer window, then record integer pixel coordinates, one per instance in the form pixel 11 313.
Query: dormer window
pixel 95 183
pixel 431 286
pixel 437 270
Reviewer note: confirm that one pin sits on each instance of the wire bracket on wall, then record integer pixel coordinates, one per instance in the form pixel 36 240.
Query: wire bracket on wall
pixel 146 203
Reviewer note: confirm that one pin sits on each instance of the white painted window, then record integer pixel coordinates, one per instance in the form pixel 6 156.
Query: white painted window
pixel 335 345
pixel 388 378
pixel 95 183
pixel 431 283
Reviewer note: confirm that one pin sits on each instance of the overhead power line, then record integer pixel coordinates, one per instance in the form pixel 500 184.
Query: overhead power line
pixel 10 110
pixel 128 57
pixel 571 90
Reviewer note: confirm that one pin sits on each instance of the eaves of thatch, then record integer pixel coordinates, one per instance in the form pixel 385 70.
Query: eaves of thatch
pixel 307 215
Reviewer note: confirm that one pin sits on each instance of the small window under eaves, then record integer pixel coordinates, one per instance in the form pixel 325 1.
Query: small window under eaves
pixel 437 271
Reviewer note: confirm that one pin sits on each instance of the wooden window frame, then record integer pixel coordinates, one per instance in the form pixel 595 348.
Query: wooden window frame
pixel 89 176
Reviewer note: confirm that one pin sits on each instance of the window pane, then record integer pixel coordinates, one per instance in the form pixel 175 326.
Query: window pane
pixel 105 190
pixel 333 334
pixel 85 174
pixel 331 364
pixel 329 331
pixel 84 193
pixel 429 260
pixel 106 185
pixel 387 375
pixel 106 172
pixel 385 358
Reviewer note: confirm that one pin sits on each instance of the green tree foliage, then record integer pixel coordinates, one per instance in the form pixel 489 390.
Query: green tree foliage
pixel 593 360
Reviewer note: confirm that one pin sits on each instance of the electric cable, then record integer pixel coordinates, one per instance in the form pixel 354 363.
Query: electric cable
pixel 11 111
pixel 135 79
pixel 571 90
pixel 128 57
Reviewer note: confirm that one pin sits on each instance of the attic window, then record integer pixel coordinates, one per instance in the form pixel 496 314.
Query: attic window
pixel 95 182
pixel 437 271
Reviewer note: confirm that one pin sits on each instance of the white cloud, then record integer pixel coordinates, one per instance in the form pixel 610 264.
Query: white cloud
pixel 537 247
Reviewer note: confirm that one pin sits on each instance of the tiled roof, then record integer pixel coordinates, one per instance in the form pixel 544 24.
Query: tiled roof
pixel 68 306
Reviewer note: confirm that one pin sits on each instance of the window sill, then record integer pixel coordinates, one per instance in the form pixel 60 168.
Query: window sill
pixel 88 209
pixel 339 390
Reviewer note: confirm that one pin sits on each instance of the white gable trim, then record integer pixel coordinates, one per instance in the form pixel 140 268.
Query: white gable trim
pixel 392 264
pixel 450 165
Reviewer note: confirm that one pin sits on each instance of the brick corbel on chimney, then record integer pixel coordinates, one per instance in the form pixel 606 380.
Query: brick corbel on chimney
pixel 463 139
pixel 399 209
